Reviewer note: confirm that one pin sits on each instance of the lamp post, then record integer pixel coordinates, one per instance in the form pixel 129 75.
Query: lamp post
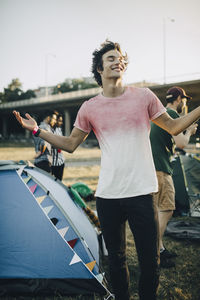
pixel 46 71
pixel 164 46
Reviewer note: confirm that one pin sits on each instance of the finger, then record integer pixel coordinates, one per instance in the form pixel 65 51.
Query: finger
pixel 28 116
pixel 15 112
pixel 19 118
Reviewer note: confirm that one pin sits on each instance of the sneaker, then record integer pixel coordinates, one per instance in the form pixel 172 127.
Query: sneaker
pixel 166 263
pixel 167 254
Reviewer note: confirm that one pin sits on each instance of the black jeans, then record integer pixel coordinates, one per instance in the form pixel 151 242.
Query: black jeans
pixel 143 222
pixel 57 171
pixel 44 165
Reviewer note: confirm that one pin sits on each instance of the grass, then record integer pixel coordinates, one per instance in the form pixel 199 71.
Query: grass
pixel 179 283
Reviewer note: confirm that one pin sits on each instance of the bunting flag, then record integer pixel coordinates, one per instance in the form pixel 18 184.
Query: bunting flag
pixel 91 265
pixel 72 243
pixel 33 188
pixel 20 170
pixel 26 180
pixel 47 209
pixel 54 221
pixel 40 199
pixel 30 164
pixel 63 231
pixel 100 277
pixel 75 259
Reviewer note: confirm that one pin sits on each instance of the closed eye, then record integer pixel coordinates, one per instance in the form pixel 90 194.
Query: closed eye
pixel 111 58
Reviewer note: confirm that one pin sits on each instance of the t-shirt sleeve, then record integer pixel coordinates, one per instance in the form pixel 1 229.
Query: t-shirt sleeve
pixel 155 107
pixel 82 121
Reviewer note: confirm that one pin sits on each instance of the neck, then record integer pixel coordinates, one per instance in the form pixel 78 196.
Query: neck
pixel 113 89
pixel 172 106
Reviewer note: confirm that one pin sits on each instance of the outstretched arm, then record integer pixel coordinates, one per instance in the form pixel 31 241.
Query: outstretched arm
pixel 182 140
pixel 176 126
pixel 68 144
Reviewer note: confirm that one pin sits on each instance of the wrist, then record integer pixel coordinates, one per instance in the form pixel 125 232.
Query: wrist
pixel 36 131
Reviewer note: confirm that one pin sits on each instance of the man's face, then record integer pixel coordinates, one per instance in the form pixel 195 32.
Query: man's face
pixel 53 120
pixel 60 122
pixel 113 65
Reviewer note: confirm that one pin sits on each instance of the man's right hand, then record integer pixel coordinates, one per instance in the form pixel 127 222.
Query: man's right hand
pixel 28 123
pixel 192 128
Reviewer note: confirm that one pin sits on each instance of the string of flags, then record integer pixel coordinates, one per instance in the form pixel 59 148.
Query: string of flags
pixel 62 231
pixel 55 237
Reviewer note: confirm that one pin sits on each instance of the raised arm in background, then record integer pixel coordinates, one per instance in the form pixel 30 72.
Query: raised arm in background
pixel 182 140
pixel 176 126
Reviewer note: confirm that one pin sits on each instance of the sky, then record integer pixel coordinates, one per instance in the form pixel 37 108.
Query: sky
pixel 44 42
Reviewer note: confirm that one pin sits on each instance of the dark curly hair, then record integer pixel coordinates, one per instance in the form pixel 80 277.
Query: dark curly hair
pixel 97 62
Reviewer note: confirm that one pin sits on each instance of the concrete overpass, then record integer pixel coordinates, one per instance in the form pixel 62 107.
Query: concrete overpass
pixel 66 103
pixel 69 103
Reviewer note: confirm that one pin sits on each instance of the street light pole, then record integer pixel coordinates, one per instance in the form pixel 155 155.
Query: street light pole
pixel 164 51
pixel 46 71
pixel 164 46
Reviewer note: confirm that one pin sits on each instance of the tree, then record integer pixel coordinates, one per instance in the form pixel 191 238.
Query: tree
pixel 1 97
pixel 14 92
pixel 74 84
pixel 15 84
pixel 27 95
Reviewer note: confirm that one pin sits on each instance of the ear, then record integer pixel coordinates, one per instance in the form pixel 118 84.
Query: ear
pixel 179 99
pixel 99 70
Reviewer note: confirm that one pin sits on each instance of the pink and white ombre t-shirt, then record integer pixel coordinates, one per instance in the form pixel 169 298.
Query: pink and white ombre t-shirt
pixel 122 126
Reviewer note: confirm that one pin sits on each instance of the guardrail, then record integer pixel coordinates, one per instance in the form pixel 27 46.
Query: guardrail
pixel 51 98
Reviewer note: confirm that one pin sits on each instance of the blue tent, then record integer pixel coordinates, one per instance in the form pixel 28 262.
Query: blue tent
pixel 47 243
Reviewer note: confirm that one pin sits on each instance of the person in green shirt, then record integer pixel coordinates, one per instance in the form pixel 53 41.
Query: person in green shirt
pixel 163 145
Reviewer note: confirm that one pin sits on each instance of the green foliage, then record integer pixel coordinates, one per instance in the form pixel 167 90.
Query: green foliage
pixel 27 95
pixel 14 92
pixel 74 85
pixel 15 84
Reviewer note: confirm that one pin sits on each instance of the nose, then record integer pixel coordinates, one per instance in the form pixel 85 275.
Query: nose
pixel 118 60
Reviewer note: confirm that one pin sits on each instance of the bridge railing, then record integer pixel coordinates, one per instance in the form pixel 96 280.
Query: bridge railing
pixel 51 98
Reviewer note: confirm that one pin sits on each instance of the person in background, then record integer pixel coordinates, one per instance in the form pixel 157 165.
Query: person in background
pixel 58 160
pixel 163 145
pixel 43 157
pixel 119 116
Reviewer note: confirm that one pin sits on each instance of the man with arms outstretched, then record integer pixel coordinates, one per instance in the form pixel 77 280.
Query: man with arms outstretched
pixel 119 117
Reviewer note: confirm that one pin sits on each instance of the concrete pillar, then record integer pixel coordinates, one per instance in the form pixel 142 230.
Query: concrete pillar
pixel 27 134
pixel 67 128
pixel 5 126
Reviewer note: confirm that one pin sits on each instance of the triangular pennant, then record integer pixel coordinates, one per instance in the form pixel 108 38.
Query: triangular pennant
pixel 72 243
pixel 63 231
pixel 33 188
pixel 26 180
pixel 30 164
pixel 47 209
pixel 20 170
pixel 41 198
pixel 54 221
pixel 75 259
pixel 91 265
pixel 100 277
